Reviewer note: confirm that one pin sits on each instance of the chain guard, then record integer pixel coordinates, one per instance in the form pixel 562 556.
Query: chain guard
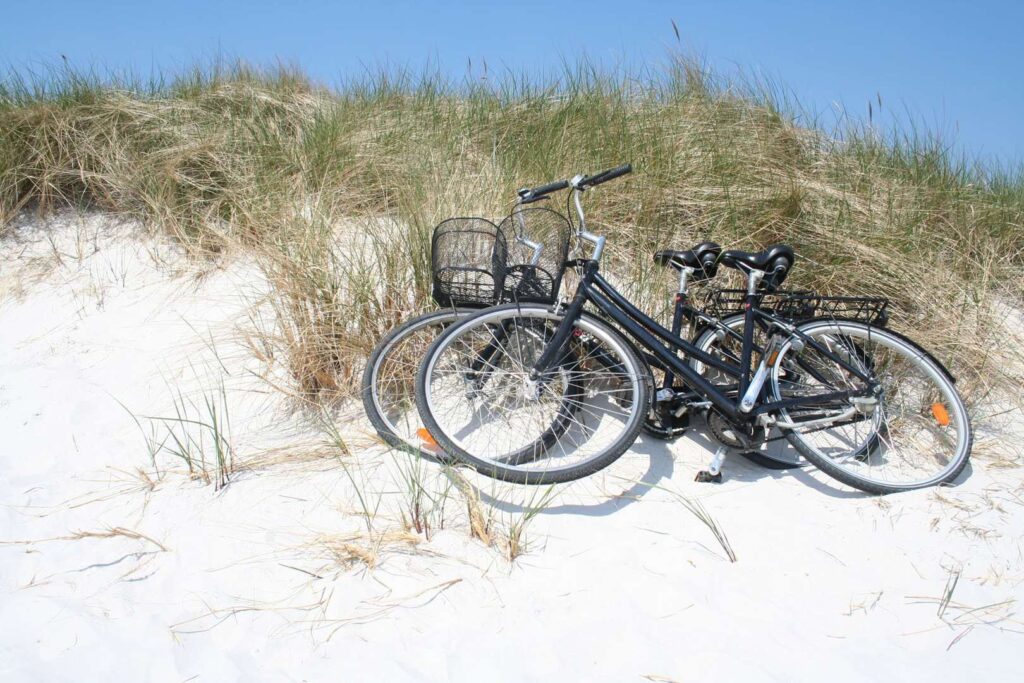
pixel 727 434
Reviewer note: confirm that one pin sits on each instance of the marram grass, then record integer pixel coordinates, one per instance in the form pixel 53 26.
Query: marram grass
pixel 336 190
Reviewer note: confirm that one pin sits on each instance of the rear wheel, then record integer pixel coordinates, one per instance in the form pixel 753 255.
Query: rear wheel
pixel 914 433
pixel 476 397
pixel 724 341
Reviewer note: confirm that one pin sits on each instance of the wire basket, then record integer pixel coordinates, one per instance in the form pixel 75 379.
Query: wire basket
pixel 531 276
pixel 478 263
pixel 803 305
pixel 468 257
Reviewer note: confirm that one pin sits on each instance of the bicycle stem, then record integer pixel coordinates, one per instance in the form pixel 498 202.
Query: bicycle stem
pixel 537 247
pixel 575 307
pixel 522 239
pixel 596 240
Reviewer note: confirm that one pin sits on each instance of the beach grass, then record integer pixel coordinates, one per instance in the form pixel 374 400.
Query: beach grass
pixel 335 190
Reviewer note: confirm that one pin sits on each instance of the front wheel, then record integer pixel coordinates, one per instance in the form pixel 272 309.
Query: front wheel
pixel 475 395
pixel 916 422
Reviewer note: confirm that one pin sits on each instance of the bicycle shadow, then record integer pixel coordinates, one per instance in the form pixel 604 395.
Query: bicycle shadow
pixel 739 468
pixel 660 467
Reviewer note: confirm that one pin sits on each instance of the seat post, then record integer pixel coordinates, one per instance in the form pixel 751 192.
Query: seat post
pixel 684 274
pixel 753 280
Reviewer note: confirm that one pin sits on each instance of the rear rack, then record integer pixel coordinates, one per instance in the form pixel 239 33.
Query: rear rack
pixel 803 305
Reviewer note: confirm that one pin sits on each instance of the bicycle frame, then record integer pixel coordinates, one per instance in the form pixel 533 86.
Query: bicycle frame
pixel 665 345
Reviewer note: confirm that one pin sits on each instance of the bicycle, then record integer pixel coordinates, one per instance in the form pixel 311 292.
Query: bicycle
pixel 864 404
pixel 717 329
pixel 473 267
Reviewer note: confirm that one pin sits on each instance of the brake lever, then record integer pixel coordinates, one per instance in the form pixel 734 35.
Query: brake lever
pixel 531 200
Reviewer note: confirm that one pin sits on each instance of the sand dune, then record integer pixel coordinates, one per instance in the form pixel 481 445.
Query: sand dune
pixel 117 563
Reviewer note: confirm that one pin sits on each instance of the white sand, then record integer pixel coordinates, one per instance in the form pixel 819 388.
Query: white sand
pixel 619 582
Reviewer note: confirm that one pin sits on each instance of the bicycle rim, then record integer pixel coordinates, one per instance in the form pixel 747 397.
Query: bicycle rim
pixel 391 379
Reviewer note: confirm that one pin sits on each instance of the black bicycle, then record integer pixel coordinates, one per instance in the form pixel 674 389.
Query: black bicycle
pixel 864 404
pixel 478 263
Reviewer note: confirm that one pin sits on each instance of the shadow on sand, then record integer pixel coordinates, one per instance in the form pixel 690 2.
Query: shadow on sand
pixel 783 460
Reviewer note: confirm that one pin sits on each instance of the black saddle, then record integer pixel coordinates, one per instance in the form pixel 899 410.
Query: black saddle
pixel 703 258
pixel 776 261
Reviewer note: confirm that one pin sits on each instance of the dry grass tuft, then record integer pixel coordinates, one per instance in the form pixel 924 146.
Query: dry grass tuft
pixel 114 532
pixel 363 549
pixel 478 514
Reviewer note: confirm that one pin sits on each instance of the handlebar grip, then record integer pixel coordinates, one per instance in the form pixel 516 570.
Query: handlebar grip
pixel 530 198
pixel 550 187
pixel 610 174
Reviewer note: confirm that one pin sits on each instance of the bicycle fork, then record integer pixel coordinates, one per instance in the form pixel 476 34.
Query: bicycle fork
pixel 565 329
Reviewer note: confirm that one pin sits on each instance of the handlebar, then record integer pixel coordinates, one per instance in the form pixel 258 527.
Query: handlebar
pixel 528 195
pixel 550 187
pixel 603 176
pixel 579 184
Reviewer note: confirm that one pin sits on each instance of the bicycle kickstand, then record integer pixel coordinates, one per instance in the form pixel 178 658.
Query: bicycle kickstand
pixel 713 473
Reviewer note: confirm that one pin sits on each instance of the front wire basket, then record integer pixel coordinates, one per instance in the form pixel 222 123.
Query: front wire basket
pixel 529 276
pixel 468 258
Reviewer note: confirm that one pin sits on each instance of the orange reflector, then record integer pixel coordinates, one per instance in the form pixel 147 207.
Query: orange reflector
pixel 940 414
pixel 426 438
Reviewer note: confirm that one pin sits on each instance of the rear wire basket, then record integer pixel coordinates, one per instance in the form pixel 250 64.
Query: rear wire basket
pixel 803 305
pixel 478 263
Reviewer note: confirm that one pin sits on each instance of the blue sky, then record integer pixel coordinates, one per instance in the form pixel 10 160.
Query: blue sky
pixel 955 67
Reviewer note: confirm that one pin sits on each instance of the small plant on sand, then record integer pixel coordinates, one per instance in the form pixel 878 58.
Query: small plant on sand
pixel 697 509
pixel 508 535
pixel 479 515
pixel 369 504
pixel 423 504
pixel 199 435
pixel 513 538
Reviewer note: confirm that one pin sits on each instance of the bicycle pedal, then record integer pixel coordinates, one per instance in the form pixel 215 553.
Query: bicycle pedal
pixel 706 477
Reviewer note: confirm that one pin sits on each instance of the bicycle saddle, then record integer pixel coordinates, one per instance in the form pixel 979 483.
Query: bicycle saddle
pixel 776 260
pixel 703 258
pixel 774 257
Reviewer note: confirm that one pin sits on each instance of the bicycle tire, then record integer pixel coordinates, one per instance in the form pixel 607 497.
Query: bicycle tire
pixel 373 403
pixel 636 370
